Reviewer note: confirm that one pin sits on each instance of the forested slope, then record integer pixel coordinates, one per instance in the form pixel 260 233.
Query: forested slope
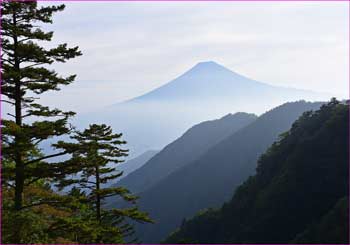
pixel 299 193
pixel 211 179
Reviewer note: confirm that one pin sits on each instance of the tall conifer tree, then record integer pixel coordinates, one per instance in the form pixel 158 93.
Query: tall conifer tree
pixel 32 212
pixel 25 74
pixel 99 150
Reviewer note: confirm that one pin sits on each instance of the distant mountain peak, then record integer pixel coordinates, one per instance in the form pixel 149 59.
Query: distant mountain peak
pixel 209 65
pixel 206 63
pixel 211 81
pixel 212 70
pixel 237 114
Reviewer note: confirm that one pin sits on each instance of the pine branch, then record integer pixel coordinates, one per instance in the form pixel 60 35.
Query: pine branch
pixel 7 60
pixel 41 203
pixel 87 182
pixel 33 181
pixel 6 52
pixel 45 157
pixel 11 115
pixel 110 195
pixel 33 65
pixel 37 142
pixel 88 187
pixel 10 185
pixel 7 101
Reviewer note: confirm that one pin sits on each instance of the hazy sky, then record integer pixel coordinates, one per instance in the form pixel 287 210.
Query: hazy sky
pixel 133 47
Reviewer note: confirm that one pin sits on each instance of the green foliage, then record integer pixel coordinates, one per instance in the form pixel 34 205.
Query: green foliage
pixel 32 224
pixel 24 73
pixel 97 149
pixel 332 227
pixel 299 193
pixel 223 166
pixel 32 212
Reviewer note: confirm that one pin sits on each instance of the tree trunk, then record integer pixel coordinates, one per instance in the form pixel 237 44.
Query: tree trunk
pixel 19 180
pixel 98 196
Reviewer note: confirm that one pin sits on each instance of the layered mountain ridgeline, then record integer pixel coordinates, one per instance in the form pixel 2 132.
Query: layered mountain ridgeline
pixel 193 143
pixel 207 90
pixel 210 179
pixel 299 193
pixel 131 165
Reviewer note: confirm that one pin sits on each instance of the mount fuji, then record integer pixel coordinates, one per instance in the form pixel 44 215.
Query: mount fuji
pixel 206 91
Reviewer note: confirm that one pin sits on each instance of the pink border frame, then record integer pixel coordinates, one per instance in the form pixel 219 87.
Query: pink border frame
pixel 168 1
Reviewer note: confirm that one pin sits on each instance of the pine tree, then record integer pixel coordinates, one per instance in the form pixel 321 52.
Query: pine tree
pixel 99 149
pixel 25 74
pixel 32 212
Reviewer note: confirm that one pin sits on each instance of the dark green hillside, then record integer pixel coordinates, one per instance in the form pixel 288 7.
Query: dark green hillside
pixel 331 227
pixel 210 180
pixel 299 193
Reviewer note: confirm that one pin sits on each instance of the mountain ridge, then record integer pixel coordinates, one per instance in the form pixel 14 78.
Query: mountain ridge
pixel 207 90
pixel 215 72
pixel 191 144
pixel 299 193
pixel 223 167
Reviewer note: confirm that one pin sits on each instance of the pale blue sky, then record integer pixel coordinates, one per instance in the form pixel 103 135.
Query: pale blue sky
pixel 133 47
